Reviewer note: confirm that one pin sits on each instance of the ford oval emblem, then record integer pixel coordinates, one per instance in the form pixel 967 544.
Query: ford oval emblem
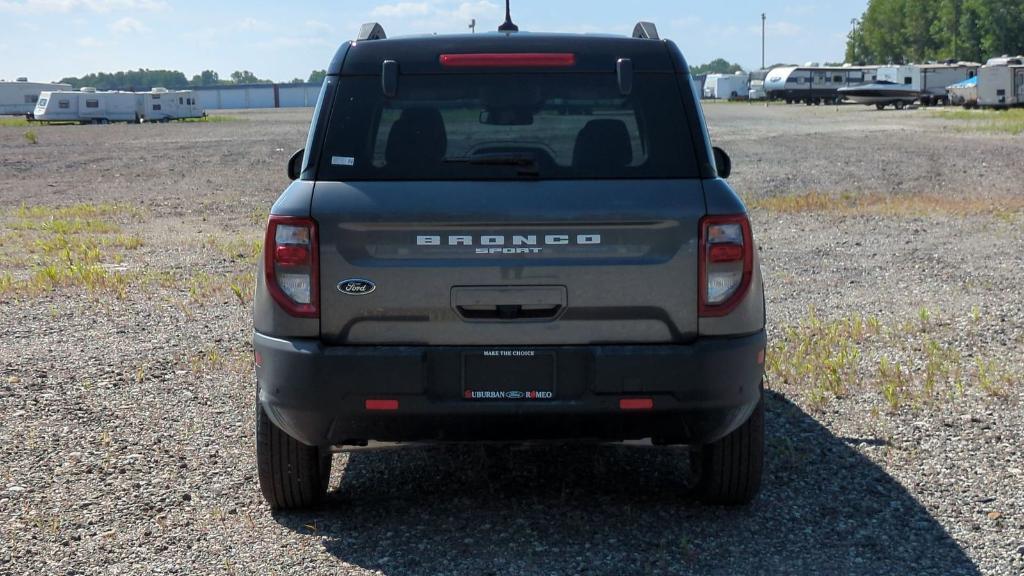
pixel 356 287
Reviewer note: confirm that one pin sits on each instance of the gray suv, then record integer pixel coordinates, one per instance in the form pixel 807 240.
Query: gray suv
pixel 508 237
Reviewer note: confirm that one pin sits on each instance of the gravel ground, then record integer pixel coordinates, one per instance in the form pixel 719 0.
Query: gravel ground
pixel 126 421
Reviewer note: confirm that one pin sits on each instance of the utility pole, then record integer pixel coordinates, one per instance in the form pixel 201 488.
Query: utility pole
pixel 764 19
pixel 472 25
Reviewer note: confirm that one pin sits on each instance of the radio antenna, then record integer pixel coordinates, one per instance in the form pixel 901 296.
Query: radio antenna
pixel 508 26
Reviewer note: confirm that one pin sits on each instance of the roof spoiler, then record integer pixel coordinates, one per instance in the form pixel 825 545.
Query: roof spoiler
pixel 646 31
pixel 371 31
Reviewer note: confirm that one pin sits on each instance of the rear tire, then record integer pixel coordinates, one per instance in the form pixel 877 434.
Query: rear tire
pixel 730 469
pixel 292 475
pixel 880 106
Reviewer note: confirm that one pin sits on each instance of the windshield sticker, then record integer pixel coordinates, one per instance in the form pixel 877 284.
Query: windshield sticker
pixel 343 161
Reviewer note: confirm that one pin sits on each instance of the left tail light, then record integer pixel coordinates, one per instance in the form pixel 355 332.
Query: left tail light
pixel 726 263
pixel 292 265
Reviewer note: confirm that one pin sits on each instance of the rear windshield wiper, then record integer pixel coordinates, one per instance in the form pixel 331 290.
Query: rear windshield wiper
pixel 527 164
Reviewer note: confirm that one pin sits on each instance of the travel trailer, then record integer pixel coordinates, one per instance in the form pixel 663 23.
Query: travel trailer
pixel 163 105
pixel 19 98
pixel 1001 83
pixel 929 81
pixel 727 86
pixel 86 106
pixel 814 84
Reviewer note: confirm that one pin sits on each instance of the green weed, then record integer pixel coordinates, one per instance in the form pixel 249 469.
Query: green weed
pixel 31 137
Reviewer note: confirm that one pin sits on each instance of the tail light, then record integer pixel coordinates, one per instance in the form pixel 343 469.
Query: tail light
pixel 726 263
pixel 292 265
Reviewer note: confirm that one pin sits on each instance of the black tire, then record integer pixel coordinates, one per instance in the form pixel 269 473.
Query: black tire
pixel 292 475
pixel 880 106
pixel 730 469
pixel 900 105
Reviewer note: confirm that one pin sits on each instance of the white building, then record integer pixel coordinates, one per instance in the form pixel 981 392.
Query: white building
pixel 20 97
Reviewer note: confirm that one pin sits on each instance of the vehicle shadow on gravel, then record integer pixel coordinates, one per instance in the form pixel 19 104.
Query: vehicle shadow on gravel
pixel 824 509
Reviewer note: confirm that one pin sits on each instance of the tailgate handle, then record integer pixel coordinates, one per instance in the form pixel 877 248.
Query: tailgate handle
pixel 509 303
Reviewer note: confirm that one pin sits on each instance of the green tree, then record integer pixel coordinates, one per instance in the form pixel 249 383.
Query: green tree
pixel 247 77
pixel 317 76
pixel 206 78
pixel 716 66
pixel 899 31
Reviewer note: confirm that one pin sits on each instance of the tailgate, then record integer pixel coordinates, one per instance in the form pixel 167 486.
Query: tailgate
pixel 508 262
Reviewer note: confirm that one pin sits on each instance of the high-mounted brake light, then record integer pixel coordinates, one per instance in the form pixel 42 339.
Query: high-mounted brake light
pixel 528 60
pixel 725 263
pixel 291 265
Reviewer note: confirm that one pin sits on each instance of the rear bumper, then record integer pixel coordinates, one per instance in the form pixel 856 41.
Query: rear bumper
pixel 700 392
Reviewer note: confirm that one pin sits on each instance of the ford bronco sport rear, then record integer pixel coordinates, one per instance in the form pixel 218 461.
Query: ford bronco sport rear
pixel 508 237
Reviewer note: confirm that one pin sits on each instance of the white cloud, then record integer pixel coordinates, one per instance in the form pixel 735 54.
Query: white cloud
pixel 128 25
pixel 64 6
pixel 778 29
pixel 90 42
pixel 252 24
pixel 686 22
pixel 441 16
pixel 318 25
pixel 401 10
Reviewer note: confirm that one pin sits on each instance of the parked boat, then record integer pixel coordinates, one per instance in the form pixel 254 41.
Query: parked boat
pixel 881 94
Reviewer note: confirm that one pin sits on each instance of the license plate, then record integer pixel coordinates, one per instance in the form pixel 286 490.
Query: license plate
pixel 508 374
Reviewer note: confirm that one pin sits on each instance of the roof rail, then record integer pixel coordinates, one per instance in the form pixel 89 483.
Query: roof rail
pixel 646 31
pixel 371 31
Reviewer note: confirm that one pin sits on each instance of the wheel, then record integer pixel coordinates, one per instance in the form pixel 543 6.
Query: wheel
pixel 291 475
pixel 880 106
pixel 926 101
pixel 729 470
pixel 900 105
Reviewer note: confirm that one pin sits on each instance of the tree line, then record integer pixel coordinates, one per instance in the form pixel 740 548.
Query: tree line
pixel 905 31
pixel 143 79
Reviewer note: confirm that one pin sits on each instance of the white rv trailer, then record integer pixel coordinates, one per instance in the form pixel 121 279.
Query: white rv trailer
pixel 730 86
pixel 20 97
pixel 929 80
pixel 1001 83
pixel 711 85
pixel 814 84
pixel 163 105
pixel 86 106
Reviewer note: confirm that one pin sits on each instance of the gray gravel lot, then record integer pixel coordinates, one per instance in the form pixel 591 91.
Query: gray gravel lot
pixel 126 419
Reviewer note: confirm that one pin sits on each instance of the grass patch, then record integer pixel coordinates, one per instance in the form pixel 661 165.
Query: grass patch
pixel 31 137
pixel 889 204
pixel 992 121
pixel 15 122
pixel 80 245
pixel 904 363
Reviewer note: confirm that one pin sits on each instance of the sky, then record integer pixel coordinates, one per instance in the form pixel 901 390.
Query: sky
pixel 47 40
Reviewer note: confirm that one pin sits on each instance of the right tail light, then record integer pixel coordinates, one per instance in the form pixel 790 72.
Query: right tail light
pixel 291 265
pixel 725 264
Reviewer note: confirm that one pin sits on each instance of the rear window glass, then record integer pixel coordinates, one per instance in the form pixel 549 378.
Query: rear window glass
pixel 490 127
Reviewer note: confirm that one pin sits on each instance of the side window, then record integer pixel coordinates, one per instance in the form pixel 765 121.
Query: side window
pixel 64 104
pixel 156 107
pixel 92 103
pixel 908 80
pixel 156 97
pixel 31 98
pixel 42 102
pixel 837 79
pixel 181 100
